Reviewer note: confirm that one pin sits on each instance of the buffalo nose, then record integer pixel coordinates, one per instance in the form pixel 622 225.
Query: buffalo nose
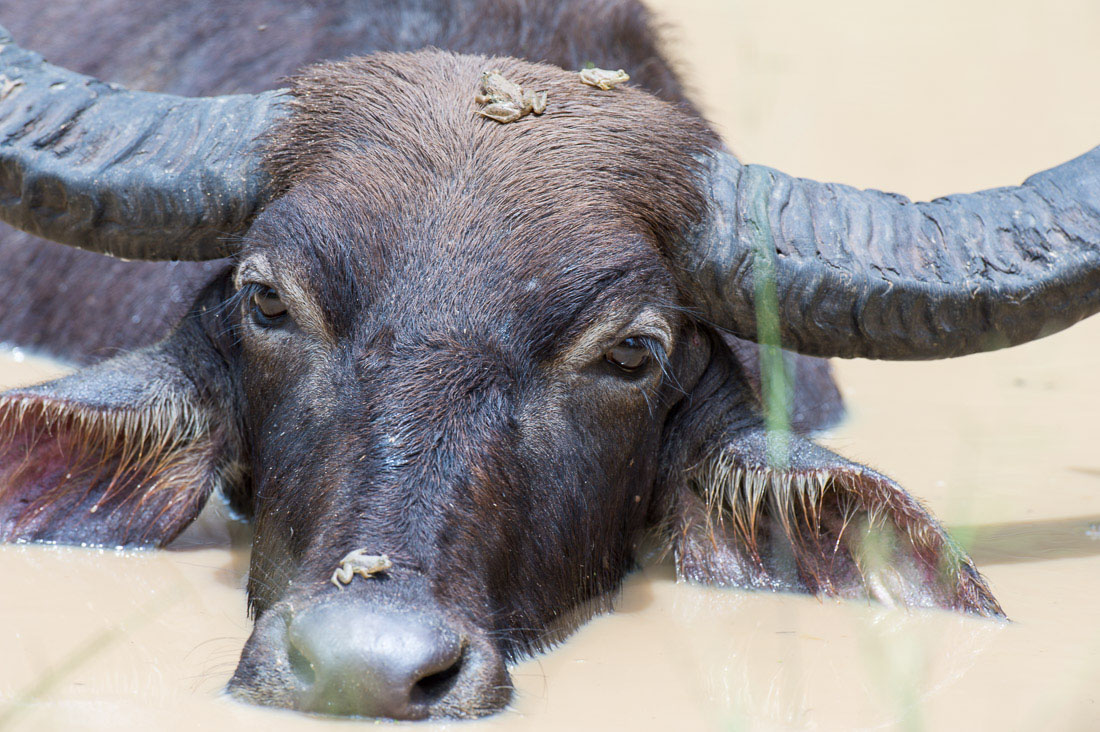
pixel 371 662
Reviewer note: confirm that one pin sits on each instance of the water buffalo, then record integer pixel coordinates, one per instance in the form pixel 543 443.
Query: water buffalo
pixel 457 371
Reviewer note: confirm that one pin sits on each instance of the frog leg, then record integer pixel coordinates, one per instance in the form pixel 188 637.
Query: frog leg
pixel 537 102
pixel 502 113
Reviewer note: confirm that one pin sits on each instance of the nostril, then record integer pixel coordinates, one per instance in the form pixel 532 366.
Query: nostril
pixel 435 686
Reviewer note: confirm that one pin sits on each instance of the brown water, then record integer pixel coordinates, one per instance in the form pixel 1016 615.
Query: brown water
pixel 1003 446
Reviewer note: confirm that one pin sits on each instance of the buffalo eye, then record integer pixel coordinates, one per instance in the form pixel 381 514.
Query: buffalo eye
pixel 630 355
pixel 267 307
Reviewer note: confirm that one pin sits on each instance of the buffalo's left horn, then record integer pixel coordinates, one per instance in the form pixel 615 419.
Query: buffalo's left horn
pixel 133 174
pixel 870 274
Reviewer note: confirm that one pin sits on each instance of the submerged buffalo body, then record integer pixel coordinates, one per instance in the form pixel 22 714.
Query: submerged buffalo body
pixel 457 371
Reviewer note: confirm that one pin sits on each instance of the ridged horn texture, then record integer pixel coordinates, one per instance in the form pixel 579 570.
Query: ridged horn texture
pixel 874 275
pixel 136 175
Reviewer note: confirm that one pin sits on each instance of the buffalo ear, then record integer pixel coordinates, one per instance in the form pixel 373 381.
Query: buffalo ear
pixel 124 453
pixel 818 524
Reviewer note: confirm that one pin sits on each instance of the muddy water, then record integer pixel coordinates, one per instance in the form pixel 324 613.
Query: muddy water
pixel 1003 446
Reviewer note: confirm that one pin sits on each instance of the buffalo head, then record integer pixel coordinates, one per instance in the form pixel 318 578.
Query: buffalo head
pixel 458 371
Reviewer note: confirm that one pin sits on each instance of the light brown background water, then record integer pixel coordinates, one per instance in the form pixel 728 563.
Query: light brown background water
pixel 924 97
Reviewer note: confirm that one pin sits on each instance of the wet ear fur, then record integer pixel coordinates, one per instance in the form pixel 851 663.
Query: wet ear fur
pixel 124 453
pixel 793 516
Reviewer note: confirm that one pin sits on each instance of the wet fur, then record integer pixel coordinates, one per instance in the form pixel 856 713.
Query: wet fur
pixel 140 468
pixel 124 453
pixel 823 526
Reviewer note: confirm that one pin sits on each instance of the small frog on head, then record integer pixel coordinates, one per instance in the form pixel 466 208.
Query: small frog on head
pixel 361 563
pixel 603 78
pixel 506 101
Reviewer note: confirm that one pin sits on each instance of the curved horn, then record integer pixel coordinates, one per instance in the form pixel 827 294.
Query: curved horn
pixel 133 174
pixel 872 274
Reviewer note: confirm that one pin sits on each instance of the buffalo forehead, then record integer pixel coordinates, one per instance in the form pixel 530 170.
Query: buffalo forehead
pixel 441 215
pixel 401 134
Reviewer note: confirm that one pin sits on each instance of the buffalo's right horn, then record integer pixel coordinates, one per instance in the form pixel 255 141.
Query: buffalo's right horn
pixel 872 274
pixel 133 174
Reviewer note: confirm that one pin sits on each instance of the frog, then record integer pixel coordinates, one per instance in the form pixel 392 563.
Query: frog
pixel 506 101
pixel 603 78
pixel 362 563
